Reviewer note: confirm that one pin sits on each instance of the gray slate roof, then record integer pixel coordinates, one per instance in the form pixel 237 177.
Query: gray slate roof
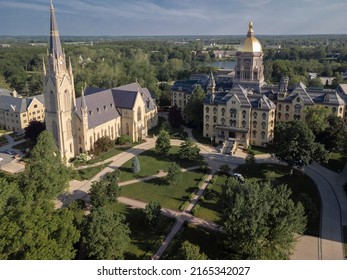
pixel 17 104
pixel 103 104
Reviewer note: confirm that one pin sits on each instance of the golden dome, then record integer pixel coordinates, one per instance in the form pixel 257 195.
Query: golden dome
pixel 251 44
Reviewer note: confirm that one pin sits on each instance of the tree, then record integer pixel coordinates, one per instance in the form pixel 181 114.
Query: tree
pixel 294 144
pixel 317 118
pixel 105 191
pixel 333 137
pixel 45 175
pixel 260 221
pixel 106 235
pixel 193 112
pixel 189 151
pixel 250 159
pixel 152 212
pixel 175 117
pixel 102 145
pixel 162 144
pixel 174 174
pixel 189 251
pixel 33 130
pixel 225 169
pixel 3 83
pixel 135 165
pixel 34 229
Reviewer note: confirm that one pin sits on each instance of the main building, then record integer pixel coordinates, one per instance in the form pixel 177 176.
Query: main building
pixel 246 113
pixel 77 123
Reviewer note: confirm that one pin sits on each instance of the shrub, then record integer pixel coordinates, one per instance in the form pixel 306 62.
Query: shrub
pixel 102 145
pixel 124 139
pixel 184 205
pixel 195 209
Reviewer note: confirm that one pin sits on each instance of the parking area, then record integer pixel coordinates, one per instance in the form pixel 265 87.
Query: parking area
pixel 9 163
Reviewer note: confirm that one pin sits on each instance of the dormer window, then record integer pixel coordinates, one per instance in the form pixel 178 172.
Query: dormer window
pixel 105 108
pixel 111 105
pixel 90 113
pixel 98 110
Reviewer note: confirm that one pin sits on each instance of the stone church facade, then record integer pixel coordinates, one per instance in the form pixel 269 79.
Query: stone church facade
pixel 76 124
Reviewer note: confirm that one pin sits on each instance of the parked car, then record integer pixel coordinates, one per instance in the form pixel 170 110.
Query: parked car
pixel 239 177
pixel 10 152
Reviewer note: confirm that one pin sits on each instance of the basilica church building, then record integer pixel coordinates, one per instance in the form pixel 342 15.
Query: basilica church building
pixel 76 124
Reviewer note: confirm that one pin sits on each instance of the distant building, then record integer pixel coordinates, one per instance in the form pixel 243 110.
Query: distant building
pixel 16 112
pixel 246 114
pixel 76 124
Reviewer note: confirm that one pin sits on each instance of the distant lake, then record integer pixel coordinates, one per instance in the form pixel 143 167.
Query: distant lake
pixel 226 64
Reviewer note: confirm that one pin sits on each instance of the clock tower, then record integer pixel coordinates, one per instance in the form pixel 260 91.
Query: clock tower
pixel 59 94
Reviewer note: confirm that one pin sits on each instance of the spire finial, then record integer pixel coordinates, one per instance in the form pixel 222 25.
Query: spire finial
pixel 250 29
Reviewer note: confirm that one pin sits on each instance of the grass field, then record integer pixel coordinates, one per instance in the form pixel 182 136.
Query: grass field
pixel 151 162
pixel 144 241
pixel 111 153
pixel 208 241
pixel 299 183
pixel 168 196
pixel 89 173
pixel 336 162
pixel 210 208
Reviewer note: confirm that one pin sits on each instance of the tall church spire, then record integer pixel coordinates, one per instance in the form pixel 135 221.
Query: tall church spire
pixel 55 46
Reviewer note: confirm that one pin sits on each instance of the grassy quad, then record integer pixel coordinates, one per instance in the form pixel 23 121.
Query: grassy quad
pixel 168 196
pixel 276 174
pixel 144 241
pixel 151 162
pixel 208 241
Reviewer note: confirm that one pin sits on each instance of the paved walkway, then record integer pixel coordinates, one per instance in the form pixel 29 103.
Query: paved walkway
pixel 334 204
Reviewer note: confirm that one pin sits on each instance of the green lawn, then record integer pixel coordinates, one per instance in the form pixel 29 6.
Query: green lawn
pixel 24 145
pixel 260 150
pixel 210 207
pixel 168 196
pixel 89 173
pixel 113 152
pixel 3 140
pixel 208 241
pixel 151 162
pixel 299 183
pixel 197 134
pixel 144 241
pixel 336 162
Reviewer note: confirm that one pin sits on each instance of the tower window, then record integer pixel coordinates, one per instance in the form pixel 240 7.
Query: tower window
pixel 98 110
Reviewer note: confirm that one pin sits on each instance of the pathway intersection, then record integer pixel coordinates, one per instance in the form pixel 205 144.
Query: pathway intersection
pixel 334 201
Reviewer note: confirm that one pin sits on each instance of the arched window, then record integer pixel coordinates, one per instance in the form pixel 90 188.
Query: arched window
pixel 263 135
pixel 180 102
pixel 340 110
pixel 279 115
pixel 207 110
pixel 254 133
pixel 222 121
pixel 139 114
pixel 214 119
pixel 68 128
pixel 127 131
pixel 272 123
pixel 207 118
pixel 207 126
pixel 223 111
pixel 52 102
pixel 255 115
pixel 55 131
pixel 91 142
pixel 297 109
pixel 263 125
pixel 243 124
pixel 244 114
pixel 255 124
pixel 279 106
pixel 334 110
pixel 286 116
pixel 287 108
pixel 264 116
pixel 233 113
pixel 214 110
pixel 67 100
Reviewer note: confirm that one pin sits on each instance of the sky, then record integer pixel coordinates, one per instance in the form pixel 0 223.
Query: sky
pixel 174 17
